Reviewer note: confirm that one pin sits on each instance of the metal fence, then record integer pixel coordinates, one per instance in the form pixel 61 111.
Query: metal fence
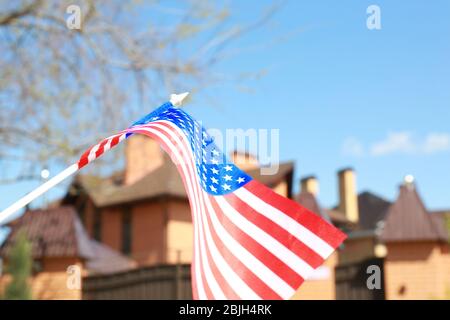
pixel 161 282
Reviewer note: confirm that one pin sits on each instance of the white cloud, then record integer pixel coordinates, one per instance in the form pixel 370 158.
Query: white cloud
pixel 352 147
pixel 395 142
pixel 436 142
pixel 402 142
pixel 405 143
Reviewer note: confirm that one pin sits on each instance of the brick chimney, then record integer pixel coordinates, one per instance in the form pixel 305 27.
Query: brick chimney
pixel 348 198
pixel 143 155
pixel 310 184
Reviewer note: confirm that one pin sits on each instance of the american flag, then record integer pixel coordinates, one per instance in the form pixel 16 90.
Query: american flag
pixel 249 242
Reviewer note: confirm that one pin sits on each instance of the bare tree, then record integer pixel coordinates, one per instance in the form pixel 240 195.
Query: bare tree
pixel 62 89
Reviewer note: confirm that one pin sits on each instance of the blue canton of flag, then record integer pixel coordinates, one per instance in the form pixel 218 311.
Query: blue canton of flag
pixel 218 176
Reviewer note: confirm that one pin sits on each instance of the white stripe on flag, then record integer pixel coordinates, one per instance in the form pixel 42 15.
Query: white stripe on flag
pixel 290 225
pixel 266 240
pixel 92 155
pixel 173 148
pixel 247 258
pixel 238 285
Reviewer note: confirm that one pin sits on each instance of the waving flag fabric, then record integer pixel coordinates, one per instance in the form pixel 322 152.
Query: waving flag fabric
pixel 249 242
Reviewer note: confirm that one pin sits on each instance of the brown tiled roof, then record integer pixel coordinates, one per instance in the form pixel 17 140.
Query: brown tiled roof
pixel 53 233
pixel 96 187
pixel 58 232
pixel 445 212
pixel 107 260
pixel 285 169
pixel 408 220
pixel 163 181
pixel 372 210
pixel 337 217
pixel 309 201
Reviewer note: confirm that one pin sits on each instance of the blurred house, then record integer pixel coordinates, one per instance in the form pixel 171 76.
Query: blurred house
pixel 141 218
pixel 143 212
pixel 417 261
pixel 322 283
pixel 60 248
pixel 409 244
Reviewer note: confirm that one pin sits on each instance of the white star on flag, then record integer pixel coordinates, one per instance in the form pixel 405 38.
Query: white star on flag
pixel 240 180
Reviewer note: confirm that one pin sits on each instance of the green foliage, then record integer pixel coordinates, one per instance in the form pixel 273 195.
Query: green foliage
pixel 19 267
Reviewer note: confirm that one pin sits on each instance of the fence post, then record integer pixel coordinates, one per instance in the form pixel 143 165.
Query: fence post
pixel 178 277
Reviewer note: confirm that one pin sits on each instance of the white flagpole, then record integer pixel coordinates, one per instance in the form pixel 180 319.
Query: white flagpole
pixel 175 99
pixel 37 192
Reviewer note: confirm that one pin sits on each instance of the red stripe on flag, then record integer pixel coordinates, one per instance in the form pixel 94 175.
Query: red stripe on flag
pixel 84 158
pixel 255 249
pixel 101 147
pixel 115 140
pixel 226 288
pixel 247 275
pixel 284 237
pixel 194 266
pixel 316 224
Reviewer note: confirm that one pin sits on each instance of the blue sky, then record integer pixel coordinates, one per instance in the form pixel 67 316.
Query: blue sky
pixel 341 95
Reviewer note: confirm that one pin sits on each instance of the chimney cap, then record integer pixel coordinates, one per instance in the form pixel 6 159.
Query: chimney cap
pixel 409 179
pixel 345 169
pixel 408 182
pixel 309 177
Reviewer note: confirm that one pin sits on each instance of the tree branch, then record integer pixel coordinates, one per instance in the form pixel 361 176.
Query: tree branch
pixel 12 16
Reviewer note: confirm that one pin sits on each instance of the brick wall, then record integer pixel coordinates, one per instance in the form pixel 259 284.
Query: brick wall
pixel 417 270
pixel 111 228
pixel 180 231
pixel 51 283
pixel 161 231
pixel 149 233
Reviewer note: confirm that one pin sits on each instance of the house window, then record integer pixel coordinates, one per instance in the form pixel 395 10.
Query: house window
pixel 97 225
pixel 126 230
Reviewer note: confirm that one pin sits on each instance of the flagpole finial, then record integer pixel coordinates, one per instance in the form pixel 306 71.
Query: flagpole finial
pixel 177 99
